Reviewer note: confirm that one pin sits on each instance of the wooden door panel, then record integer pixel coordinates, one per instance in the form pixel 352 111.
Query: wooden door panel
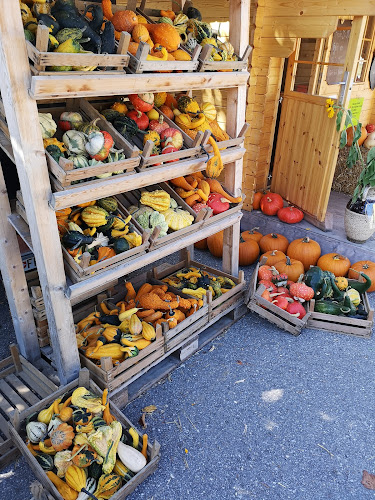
pixel 306 147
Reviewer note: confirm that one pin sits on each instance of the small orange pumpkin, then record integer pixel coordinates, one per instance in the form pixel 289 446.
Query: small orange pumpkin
pixel 364 266
pixel 140 33
pixel 273 256
pixel 248 252
pixel 306 250
pixel 291 267
pixel 334 262
pixel 62 437
pixel 257 197
pixel 167 111
pixel 252 234
pixel 215 244
pixel 201 245
pixel 273 241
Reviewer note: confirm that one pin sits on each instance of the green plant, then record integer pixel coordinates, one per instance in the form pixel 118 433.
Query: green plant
pixel 367 175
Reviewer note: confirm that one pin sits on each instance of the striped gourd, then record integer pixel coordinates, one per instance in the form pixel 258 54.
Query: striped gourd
pixel 94 216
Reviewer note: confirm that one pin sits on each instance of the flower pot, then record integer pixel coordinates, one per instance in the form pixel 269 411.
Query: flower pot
pixel 360 218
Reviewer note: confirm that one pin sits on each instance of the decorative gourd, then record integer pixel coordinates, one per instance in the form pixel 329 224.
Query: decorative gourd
pixel 301 292
pixel 62 437
pixel 256 199
pixel 79 161
pixel 159 200
pixel 148 331
pixel 171 137
pixel 336 263
pixel 88 127
pixel 109 204
pixel 83 458
pixel 199 29
pixel 165 20
pixel 111 114
pixel 95 470
pixel 187 105
pixel 54 423
pixel 66 414
pixel 122 471
pixel 341 282
pixel 36 431
pixel 273 241
pixel 209 111
pixel 140 33
pixel 364 266
pixel 252 234
pixel 120 245
pixel 45 461
pixel 46 415
pixel 140 118
pixel 273 256
pixel 354 296
pixel 178 219
pixel 124 20
pixel 248 252
pixel 290 215
pixel 89 488
pixel 126 126
pixel 271 203
pixel 227 47
pixel 119 106
pixel 70 120
pixel 158 125
pixel 94 216
pixel 165 34
pixel 291 267
pixel 75 142
pixel 47 124
pixel 153 136
pixel 75 477
pixel 180 23
pixel 62 460
pixel 108 484
pixel 64 489
pixel 142 102
pixel 305 250
pixel 131 457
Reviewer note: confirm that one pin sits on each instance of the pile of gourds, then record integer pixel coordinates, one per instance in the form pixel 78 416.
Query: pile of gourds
pixel 96 229
pixel 201 192
pixel 194 281
pixel 83 143
pixel 121 330
pixel 70 31
pixel 84 451
pixel 158 209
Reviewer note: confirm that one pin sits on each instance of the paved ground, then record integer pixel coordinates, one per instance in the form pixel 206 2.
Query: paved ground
pixel 256 414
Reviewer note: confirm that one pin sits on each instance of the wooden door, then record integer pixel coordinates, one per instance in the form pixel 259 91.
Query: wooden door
pixel 307 142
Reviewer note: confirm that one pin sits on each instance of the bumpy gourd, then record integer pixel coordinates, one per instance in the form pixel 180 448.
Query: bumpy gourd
pixel 62 437
pixel 159 200
pixel 178 219
pixel 94 216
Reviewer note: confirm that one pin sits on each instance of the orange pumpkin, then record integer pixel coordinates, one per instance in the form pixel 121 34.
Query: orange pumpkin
pixel 165 34
pixel 364 266
pixel 273 241
pixel 133 47
pixel 201 245
pixel 252 235
pixel 124 20
pixel 170 101
pixel 215 244
pixel 306 250
pixel 349 136
pixel 248 252
pixel 334 262
pixel 291 267
pixel 167 111
pixel 257 197
pixel 273 256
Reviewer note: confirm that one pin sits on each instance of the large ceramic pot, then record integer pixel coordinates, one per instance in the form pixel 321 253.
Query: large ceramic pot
pixel 360 217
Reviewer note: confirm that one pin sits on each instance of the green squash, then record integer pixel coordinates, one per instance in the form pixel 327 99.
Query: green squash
pixel 52 43
pixel 66 33
pixel 95 470
pixel 47 124
pixel 110 204
pixel 75 142
pixel 45 461
pixel 126 126
pixel 120 245
pixel 105 227
pixel 89 127
pixel 79 161
pixel 55 152
pixel 29 35
pixel 111 114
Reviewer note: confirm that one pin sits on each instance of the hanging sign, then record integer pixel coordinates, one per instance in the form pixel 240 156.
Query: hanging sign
pixel 355 106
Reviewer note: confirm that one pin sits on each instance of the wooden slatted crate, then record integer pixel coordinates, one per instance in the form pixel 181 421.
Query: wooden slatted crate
pixel 17 433
pixel 274 314
pixel 21 386
pixel 342 324
pixel 64 175
pixel 133 197
pixel 192 148
pixel 206 65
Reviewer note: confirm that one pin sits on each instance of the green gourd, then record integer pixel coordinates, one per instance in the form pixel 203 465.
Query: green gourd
pixel 111 114
pixel 45 461
pixel 126 126
pixel 75 141
pixel 89 127
pixel 110 204
pixel 120 245
pixel 47 124
pixel 79 161
pixel 55 152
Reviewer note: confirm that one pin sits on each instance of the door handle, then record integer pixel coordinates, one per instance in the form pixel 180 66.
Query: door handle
pixel 343 86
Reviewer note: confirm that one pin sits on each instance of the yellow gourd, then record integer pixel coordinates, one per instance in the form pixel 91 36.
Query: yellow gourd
pixel 354 296
pixel 66 414
pixel 75 477
pixel 159 199
pixel 148 331
pixel 64 489
pixel 209 111
pixel 178 218
pixel 46 415
pixel 135 325
pixel 341 282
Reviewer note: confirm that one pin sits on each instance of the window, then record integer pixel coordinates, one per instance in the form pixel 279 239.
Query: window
pixel 365 57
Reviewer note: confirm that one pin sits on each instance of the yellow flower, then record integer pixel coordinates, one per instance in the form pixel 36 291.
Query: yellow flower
pixel 329 103
pixel 331 112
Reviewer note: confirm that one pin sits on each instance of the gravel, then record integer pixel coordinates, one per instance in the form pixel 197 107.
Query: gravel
pixel 257 414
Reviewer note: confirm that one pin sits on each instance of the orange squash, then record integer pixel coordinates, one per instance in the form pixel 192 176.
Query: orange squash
pixel 257 197
pixel 181 55
pixel 167 111
pixel 248 252
pixel 334 262
pixel 201 245
pixel 215 244
pixel 140 33
pixel 133 47
pixel 170 101
pixel 124 20
pixel 165 34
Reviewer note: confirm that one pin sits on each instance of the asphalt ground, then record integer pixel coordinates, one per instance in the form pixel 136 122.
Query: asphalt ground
pixel 256 414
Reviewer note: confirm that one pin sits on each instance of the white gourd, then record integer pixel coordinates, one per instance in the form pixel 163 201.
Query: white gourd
pixel 75 141
pixel 36 431
pixel 47 124
pixel 130 457
pixel 370 141
pixel 90 487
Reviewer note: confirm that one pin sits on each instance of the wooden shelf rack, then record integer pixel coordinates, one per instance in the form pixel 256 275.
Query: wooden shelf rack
pixel 20 92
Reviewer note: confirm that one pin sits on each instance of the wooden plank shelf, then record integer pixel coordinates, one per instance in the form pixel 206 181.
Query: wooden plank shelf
pixel 22 229
pixel 69 86
pixel 21 385
pixel 80 291
pixel 113 185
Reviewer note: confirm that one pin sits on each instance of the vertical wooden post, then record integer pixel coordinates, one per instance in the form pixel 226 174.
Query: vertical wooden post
pixel 239 28
pixel 22 117
pixel 15 281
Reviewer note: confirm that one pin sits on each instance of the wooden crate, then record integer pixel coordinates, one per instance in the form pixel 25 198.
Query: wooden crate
pixel 230 143
pixel 133 197
pixel 64 175
pixel 267 310
pixel 17 432
pixel 41 60
pixel 216 307
pixel 206 65
pixel 40 316
pixel 21 386
pixel 191 148
pixel 342 324
pixel 78 272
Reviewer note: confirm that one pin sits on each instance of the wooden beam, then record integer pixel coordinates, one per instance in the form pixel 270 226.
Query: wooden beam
pixel 14 281
pixel 276 26
pixel 307 8
pixel 32 171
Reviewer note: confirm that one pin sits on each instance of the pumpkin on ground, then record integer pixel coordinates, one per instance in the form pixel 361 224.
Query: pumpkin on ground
pixel 271 203
pixel 334 262
pixel 273 241
pixel 215 244
pixel 248 252
pixel 273 256
pixel 290 215
pixel 201 245
pixel 291 267
pixel 257 197
pixel 252 234
pixel 306 250
pixel 364 266
pixel 349 136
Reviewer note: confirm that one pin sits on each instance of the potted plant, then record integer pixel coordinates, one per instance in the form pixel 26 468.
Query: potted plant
pixel 360 210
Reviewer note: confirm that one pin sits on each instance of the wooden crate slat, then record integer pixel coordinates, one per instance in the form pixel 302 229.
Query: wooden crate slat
pixel 22 389
pixel 13 396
